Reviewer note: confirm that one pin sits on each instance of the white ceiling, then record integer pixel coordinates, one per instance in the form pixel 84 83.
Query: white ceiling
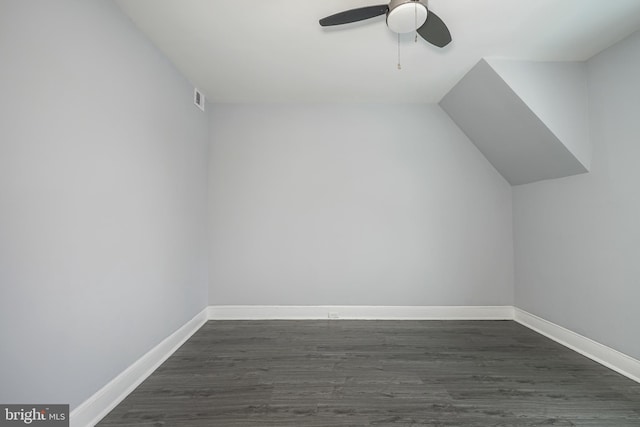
pixel 275 50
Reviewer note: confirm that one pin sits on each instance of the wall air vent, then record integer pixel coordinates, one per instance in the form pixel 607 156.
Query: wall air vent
pixel 198 99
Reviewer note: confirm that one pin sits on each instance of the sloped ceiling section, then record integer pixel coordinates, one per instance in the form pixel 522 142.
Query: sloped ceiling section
pixel 529 119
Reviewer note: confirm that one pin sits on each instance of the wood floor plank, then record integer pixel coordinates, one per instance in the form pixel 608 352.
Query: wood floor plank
pixel 396 373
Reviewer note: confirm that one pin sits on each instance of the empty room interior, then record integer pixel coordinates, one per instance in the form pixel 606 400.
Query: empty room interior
pixel 285 213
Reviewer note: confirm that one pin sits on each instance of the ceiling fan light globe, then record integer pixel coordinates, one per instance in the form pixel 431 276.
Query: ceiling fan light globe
pixel 405 16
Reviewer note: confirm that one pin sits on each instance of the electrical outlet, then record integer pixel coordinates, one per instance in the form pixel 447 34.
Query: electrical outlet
pixel 333 315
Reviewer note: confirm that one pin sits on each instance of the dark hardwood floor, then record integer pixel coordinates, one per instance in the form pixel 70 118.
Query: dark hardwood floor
pixel 358 373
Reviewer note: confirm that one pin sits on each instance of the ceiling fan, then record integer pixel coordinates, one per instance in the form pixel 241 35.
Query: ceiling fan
pixel 403 16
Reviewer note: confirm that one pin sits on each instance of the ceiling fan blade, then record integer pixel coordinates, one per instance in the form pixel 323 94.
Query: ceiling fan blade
pixel 435 31
pixel 354 15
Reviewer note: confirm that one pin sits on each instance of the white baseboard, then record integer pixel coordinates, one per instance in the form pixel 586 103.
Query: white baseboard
pixel 262 312
pixel 96 407
pixel 612 359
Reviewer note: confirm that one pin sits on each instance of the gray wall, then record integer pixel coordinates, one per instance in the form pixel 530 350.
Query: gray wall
pixel 577 239
pixel 354 205
pixel 502 124
pixel 557 92
pixel 102 199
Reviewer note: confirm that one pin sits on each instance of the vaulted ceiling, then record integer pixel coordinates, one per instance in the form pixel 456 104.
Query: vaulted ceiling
pixel 275 50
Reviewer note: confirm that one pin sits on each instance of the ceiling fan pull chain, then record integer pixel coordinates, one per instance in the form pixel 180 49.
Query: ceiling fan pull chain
pixel 399 67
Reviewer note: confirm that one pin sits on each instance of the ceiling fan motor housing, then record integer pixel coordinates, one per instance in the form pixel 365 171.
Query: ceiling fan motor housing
pixel 405 16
